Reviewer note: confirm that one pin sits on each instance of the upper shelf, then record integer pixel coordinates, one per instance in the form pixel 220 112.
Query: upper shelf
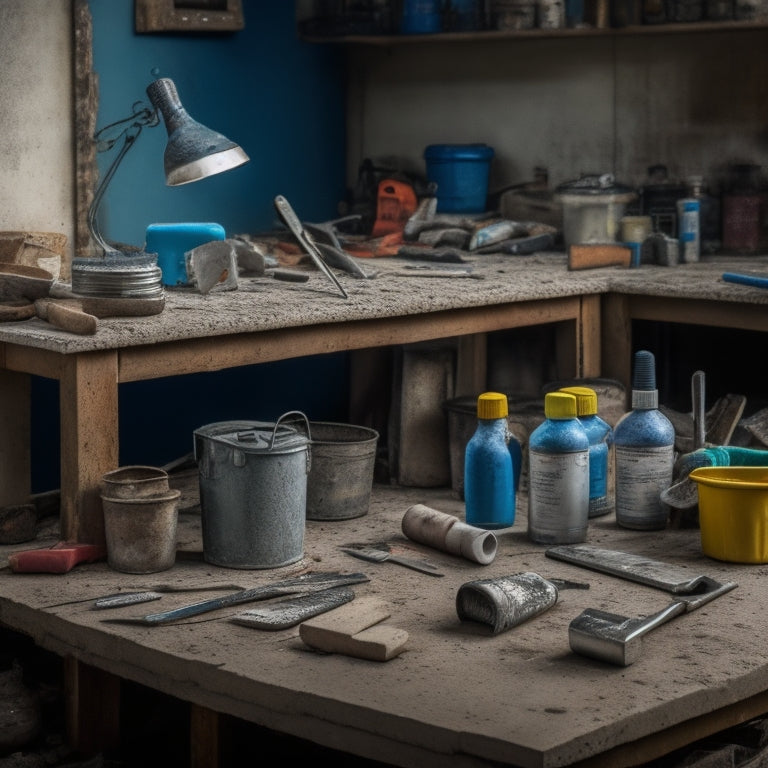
pixel 528 34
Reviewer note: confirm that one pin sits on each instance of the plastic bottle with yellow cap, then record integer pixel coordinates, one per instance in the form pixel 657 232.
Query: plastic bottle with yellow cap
pixel 558 478
pixel 489 466
pixel 600 436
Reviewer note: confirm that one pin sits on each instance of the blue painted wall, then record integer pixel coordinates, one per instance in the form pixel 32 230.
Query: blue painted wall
pixel 283 101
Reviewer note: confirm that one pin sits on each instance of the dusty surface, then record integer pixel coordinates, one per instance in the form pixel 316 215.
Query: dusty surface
pixel 263 303
pixel 457 695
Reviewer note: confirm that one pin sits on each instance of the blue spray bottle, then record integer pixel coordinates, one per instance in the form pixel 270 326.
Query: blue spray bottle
pixel 644 453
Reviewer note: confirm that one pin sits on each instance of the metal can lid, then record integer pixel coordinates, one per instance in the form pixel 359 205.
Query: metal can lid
pixel 594 184
pixel 256 436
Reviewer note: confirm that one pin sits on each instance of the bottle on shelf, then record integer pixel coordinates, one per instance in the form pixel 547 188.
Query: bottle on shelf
pixel 689 229
pixel 558 474
pixel 709 214
pixel 644 453
pixel 744 206
pixel 600 434
pixel 491 466
pixel 659 197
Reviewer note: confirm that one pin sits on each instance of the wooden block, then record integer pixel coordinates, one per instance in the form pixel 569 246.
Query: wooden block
pixel 354 629
pixel 591 255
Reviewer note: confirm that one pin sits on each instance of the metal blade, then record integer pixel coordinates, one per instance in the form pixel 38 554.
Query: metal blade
pixel 643 570
pixel 292 221
pixel 309 582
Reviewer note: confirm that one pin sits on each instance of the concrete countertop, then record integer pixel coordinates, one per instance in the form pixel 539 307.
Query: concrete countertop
pixel 263 303
pixel 458 696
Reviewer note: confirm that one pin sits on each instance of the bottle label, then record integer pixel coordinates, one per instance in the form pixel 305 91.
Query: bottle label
pixel 558 497
pixel 642 473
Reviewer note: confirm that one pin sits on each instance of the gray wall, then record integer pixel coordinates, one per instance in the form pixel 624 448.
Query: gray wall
pixel 615 103
pixel 36 131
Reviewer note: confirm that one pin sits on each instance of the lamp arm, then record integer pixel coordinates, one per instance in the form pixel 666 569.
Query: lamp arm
pixel 142 116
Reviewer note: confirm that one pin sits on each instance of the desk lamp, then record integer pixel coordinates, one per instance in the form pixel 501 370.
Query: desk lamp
pixel 193 152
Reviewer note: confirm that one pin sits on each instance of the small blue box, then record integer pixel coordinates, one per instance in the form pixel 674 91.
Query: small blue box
pixel 171 241
pixel 461 173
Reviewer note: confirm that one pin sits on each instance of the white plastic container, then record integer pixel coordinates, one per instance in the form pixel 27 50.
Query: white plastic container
pixel 593 207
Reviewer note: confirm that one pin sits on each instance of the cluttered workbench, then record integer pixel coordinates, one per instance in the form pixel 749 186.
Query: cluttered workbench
pixel 456 694
pixel 518 698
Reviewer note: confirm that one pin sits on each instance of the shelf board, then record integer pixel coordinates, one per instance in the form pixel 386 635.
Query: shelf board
pixel 697 27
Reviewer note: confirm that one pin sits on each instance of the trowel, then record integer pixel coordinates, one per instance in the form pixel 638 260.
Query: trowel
pixel 617 639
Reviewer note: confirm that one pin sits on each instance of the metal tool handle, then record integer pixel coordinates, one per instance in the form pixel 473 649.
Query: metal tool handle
pixel 293 223
pixel 647 623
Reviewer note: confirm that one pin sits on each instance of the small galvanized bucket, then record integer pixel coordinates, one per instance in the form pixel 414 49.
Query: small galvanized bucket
pixel 341 480
pixel 253 492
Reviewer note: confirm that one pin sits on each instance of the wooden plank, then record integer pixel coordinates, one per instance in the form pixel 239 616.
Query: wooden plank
pixel 92 707
pixel 38 362
pixel 720 314
pixel 591 364
pixel 204 729
pixel 589 256
pixel 219 352
pixel 471 364
pixel 370 388
pixel 616 340
pixel 88 400
pixel 15 443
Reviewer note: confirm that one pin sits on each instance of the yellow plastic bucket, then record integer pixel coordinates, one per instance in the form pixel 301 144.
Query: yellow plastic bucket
pixel 733 512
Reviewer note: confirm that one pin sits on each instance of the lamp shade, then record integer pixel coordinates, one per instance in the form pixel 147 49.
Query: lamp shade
pixel 193 151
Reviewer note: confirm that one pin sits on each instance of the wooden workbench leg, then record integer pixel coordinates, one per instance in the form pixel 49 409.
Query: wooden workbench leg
pixel 471 364
pixel 568 349
pixel 204 737
pixel 616 334
pixel 15 456
pixel 591 363
pixel 89 440
pixel 93 708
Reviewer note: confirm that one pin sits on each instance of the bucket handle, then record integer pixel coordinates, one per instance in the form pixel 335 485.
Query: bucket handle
pixel 309 436
pixel 280 418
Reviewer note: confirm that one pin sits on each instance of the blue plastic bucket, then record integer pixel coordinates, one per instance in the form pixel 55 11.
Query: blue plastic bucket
pixel 421 17
pixel 461 174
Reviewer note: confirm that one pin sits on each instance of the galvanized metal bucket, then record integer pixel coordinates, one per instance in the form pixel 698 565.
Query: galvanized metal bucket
pixel 253 491
pixel 341 479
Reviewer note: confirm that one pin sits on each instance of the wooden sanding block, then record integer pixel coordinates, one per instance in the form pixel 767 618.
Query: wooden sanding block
pixel 355 629
pixel 60 558
pixel 591 255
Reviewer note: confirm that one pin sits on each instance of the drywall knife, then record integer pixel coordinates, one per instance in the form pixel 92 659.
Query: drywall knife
pixel 308 582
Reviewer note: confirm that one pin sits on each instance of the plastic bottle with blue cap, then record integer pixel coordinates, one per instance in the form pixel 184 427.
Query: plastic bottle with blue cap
pixel 644 453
